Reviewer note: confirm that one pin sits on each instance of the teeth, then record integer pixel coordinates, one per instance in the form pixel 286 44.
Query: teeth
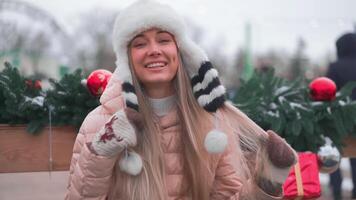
pixel 160 64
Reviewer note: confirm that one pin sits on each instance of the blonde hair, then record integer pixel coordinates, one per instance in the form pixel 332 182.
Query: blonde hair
pixel 251 140
pixel 150 183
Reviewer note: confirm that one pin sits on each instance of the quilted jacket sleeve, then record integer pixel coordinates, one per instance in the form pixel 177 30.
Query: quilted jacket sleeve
pixel 90 174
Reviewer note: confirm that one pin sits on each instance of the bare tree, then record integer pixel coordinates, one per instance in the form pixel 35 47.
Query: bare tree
pixel 93 39
pixel 17 41
pixel 299 61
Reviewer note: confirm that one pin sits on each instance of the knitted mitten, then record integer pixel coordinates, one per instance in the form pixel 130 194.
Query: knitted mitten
pixel 281 157
pixel 117 134
pixel 279 152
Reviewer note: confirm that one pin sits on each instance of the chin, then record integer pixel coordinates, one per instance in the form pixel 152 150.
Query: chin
pixel 158 81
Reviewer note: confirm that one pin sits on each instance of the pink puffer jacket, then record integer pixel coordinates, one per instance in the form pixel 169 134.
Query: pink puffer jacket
pixel 90 175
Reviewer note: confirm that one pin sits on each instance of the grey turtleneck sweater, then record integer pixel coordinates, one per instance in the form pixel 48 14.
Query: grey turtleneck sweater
pixel 162 106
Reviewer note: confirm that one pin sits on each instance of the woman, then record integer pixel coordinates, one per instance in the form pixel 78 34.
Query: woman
pixel 164 131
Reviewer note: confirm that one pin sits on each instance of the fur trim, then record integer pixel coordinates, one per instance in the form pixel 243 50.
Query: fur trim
pixel 204 100
pixel 141 16
pixel 131 100
pixel 123 72
pixel 207 88
pixel 130 95
pixel 131 163
pixel 208 77
pixel 192 55
pixel 215 104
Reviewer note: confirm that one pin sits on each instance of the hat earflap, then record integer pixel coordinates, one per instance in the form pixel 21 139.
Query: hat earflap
pixel 208 90
pixel 129 93
pixel 123 73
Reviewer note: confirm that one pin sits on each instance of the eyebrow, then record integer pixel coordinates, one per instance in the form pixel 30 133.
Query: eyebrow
pixel 163 32
pixel 159 32
pixel 139 35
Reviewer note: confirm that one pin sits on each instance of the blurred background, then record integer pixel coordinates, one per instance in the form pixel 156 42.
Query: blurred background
pixel 47 39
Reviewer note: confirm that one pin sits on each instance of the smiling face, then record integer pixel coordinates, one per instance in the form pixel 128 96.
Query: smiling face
pixel 154 57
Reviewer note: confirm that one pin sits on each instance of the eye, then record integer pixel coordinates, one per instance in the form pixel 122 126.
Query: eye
pixel 164 40
pixel 138 43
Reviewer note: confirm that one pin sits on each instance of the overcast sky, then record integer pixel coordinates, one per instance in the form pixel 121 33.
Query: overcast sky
pixel 275 23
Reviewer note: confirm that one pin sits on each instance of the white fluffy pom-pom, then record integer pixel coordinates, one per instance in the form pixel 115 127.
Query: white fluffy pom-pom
pixel 215 141
pixel 131 164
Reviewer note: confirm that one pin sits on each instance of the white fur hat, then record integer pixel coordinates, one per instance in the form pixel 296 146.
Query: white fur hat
pixel 210 94
pixel 145 14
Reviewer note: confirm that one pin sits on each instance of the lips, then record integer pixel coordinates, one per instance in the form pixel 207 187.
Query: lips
pixel 155 65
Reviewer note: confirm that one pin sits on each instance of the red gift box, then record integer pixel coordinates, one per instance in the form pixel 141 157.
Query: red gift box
pixel 303 179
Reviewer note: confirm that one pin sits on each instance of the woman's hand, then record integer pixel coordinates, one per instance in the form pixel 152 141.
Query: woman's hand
pixel 280 157
pixel 279 152
pixel 117 134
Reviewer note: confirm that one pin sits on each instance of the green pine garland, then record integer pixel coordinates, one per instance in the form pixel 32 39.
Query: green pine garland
pixel 22 103
pixel 70 100
pixel 285 107
pixel 272 102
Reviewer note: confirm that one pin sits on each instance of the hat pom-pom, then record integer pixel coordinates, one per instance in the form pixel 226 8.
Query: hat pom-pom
pixel 215 141
pixel 131 163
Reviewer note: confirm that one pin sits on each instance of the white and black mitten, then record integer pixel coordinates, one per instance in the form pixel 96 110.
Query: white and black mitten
pixel 117 135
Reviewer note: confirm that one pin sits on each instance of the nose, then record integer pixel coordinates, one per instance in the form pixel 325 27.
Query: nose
pixel 154 49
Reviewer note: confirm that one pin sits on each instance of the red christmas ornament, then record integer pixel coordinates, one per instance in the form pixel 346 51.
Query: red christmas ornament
pixel 322 89
pixel 34 84
pixel 38 84
pixel 97 81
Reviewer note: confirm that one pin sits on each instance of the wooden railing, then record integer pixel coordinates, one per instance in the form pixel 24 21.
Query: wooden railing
pixel 24 152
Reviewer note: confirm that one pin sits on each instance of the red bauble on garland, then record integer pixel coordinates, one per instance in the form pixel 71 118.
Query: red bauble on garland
pixel 322 89
pixel 97 81
pixel 33 84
